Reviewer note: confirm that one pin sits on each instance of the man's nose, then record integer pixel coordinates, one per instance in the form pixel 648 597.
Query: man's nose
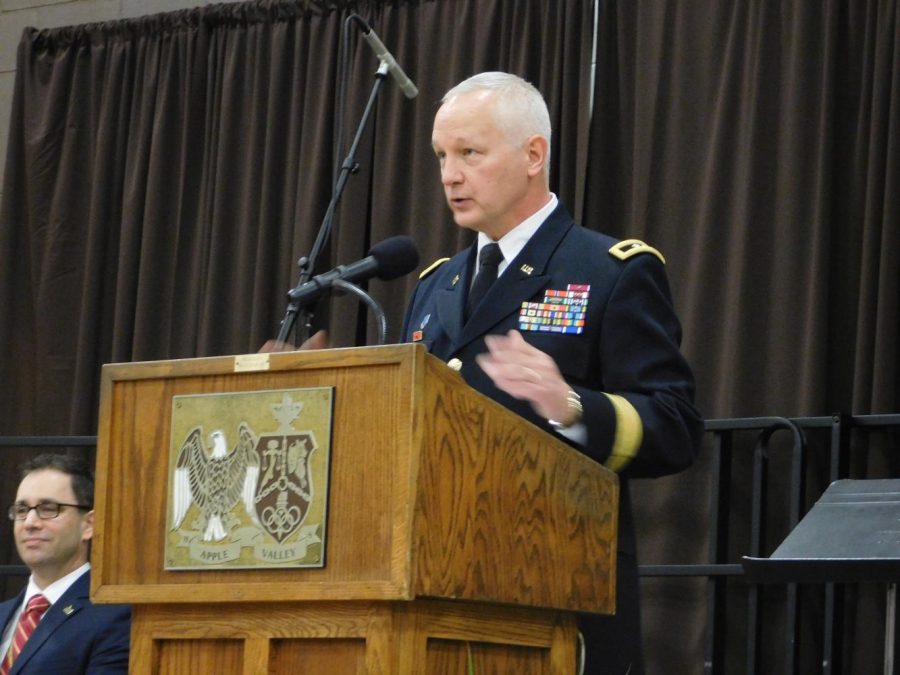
pixel 450 174
pixel 32 518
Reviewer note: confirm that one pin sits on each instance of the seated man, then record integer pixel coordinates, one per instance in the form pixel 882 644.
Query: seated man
pixel 52 627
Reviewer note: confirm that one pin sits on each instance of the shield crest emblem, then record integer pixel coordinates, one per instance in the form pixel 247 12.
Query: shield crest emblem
pixel 285 489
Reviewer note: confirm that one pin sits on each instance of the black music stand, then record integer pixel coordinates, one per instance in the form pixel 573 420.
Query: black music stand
pixel 851 534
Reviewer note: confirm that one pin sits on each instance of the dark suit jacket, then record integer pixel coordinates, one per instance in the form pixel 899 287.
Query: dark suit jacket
pixel 75 636
pixel 629 347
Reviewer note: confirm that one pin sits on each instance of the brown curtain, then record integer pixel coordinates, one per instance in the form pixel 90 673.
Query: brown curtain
pixel 164 175
pixel 757 144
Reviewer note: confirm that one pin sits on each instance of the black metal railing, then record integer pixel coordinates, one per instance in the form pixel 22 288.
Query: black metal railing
pixel 738 440
pixel 832 456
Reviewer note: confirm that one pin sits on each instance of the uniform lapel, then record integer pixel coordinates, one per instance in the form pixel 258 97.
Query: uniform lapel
pixel 524 277
pixel 451 299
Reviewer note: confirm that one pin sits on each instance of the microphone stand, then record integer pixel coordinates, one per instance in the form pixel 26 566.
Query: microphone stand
pixel 307 263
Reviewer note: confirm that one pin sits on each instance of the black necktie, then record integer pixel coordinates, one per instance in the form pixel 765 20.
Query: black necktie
pixel 489 260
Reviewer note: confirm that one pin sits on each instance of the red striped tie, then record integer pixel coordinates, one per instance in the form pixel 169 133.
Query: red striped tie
pixel 29 620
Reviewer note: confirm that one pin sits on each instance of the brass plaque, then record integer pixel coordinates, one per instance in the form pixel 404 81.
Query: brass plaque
pixel 248 479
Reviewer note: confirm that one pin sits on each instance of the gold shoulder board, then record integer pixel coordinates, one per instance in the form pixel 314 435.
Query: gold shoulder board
pixel 631 247
pixel 432 267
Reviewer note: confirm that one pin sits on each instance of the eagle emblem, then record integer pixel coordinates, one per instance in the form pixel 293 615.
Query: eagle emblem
pixel 244 492
pixel 215 479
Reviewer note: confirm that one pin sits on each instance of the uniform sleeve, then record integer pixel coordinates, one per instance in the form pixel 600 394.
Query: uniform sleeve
pixel 643 423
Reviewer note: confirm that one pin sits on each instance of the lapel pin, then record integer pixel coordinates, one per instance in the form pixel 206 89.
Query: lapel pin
pixel 455 280
pixel 419 335
pixel 527 269
pixel 68 609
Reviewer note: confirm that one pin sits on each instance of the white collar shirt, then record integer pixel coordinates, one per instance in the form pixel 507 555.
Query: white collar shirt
pixel 512 243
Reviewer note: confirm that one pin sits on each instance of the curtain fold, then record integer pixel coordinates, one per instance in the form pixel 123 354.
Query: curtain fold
pixel 165 174
pixel 757 145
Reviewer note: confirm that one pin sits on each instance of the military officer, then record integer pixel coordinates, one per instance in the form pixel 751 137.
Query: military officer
pixel 577 334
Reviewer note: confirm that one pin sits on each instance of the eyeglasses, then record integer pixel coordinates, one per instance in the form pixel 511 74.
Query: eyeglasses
pixel 44 510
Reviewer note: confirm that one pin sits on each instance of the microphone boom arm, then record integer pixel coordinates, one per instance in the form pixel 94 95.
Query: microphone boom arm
pixel 307 263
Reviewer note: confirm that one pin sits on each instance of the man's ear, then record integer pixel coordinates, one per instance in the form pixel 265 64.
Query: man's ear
pixel 87 526
pixel 537 150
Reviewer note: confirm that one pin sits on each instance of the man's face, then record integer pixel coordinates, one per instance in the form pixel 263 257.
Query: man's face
pixel 485 175
pixel 54 547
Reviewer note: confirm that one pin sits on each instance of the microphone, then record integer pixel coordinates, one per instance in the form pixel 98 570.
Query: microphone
pixel 406 85
pixel 387 260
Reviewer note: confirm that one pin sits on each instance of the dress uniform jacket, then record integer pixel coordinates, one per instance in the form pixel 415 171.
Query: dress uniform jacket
pixel 621 355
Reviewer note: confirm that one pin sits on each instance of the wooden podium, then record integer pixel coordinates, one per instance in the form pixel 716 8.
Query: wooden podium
pixel 460 538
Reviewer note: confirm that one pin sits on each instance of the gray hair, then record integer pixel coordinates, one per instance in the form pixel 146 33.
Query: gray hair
pixel 520 109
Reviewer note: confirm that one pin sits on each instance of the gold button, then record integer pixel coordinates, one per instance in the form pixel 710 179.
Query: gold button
pixel 455 364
